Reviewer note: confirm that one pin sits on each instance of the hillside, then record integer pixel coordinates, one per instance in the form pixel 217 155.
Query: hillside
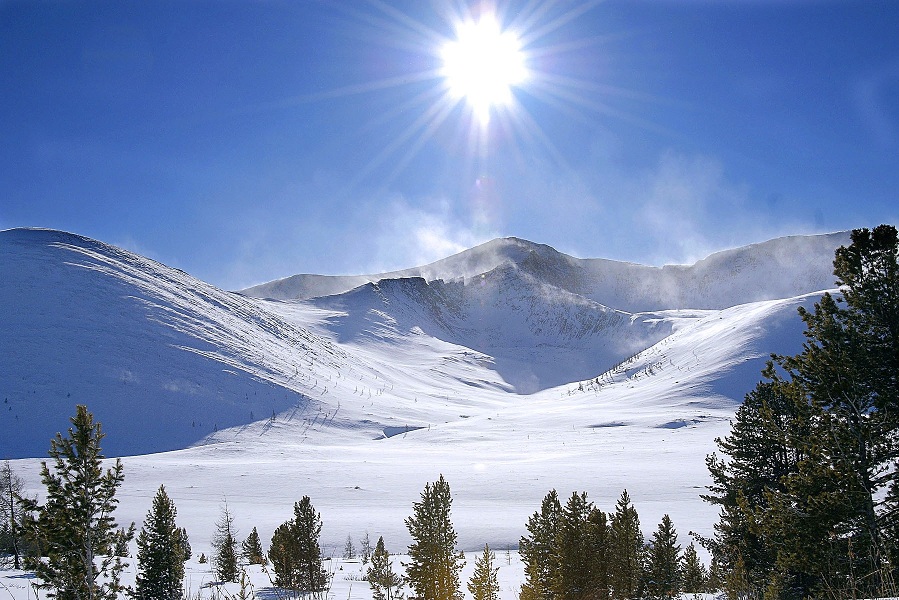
pixel 510 381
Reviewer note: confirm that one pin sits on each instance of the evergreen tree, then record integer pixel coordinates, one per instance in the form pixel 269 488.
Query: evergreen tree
pixel 295 553
pixel 598 532
pixel 575 574
pixel 11 489
pixel 123 538
pixel 384 583
pixel 484 584
pixel 252 549
pixel 626 551
pixel 75 529
pixel 664 574
pixel 349 550
pixel 693 572
pixel 365 544
pixel 184 542
pixel 820 520
pixel 539 550
pixel 434 564
pixel 764 448
pixel 160 556
pixel 224 544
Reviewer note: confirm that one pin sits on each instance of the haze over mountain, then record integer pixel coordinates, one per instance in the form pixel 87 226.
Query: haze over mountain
pixel 510 368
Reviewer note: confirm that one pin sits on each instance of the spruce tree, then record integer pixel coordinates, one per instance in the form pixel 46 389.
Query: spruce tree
pixel 160 556
pixel 626 550
pixel 484 584
pixel 75 529
pixel 295 553
pixel 224 544
pixel 384 582
pixel 694 575
pixel 434 564
pixel 252 549
pixel 663 577
pixel 539 549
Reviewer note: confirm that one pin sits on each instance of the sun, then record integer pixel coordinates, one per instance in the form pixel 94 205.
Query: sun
pixel 482 65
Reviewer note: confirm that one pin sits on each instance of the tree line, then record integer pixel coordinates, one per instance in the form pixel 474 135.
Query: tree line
pixel 75 548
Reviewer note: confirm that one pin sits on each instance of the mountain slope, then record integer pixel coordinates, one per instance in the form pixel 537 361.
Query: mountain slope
pixel 166 361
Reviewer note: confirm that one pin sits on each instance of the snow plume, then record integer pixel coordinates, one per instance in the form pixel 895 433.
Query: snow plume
pixel 417 235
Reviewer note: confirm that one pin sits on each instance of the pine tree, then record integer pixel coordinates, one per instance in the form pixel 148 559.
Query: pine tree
pixel 295 553
pixel 765 447
pixel 384 582
pixel 224 544
pixel 626 550
pixel 184 542
pixel 123 538
pixel 539 550
pixel 434 565
pixel 75 529
pixel 252 549
pixel 694 574
pixel 365 544
pixel 663 574
pixel 484 584
pixel 819 520
pixel 11 489
pixel 349 550
pixel 160 556
pixel 574 576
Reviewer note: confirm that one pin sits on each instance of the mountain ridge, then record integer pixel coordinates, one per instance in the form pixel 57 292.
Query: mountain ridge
pixel 169 361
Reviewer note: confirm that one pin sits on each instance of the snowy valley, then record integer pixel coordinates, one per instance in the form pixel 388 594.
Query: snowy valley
pixel 510 368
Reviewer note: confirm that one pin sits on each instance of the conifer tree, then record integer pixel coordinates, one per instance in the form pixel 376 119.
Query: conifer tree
pixel 252 549
pixel 484 584
pixel 224 544
pixel 365 548
pixel 384 582
pixel 434 564
pixel 295 553
pixel 349 550
pixel 574 576
pixel 539 549
pixel 184 542
pixel 626 556
pixel 11 516
pixel 160 556
pixel 663 577
pixel 693 572
pixel 75 529
pixel 823 522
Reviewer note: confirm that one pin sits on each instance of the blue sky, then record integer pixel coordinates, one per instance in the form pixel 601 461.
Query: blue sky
pixel 244 141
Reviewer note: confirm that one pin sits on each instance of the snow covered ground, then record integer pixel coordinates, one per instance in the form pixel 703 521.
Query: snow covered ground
pixel 541 372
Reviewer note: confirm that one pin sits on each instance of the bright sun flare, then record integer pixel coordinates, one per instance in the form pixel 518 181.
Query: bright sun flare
pixel 482 65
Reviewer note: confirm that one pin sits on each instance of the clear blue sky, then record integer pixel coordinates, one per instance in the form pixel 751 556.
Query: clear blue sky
pixel 245 140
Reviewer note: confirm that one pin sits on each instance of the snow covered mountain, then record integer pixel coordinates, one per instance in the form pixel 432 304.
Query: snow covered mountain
pixel 511 368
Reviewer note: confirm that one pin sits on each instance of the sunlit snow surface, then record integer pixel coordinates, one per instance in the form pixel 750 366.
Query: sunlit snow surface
pixel 359 399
